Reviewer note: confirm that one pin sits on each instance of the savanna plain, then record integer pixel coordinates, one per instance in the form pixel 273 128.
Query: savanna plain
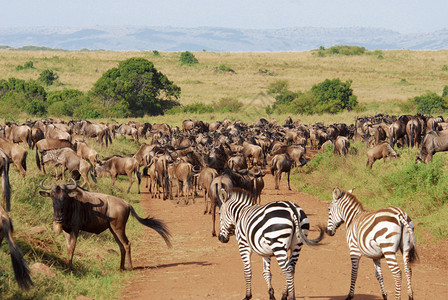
pixel 383 84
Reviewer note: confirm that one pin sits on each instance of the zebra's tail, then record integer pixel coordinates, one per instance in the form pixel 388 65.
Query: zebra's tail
pixel 300 232
pixel 413 255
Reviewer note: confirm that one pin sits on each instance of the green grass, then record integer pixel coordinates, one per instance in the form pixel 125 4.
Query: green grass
pixel 421 190
pixel 96 258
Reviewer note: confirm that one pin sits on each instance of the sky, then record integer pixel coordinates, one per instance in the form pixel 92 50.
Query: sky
pixel 404 16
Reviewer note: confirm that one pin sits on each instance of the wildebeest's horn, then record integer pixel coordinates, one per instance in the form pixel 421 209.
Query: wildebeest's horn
pixel 72 186
pixel 41 184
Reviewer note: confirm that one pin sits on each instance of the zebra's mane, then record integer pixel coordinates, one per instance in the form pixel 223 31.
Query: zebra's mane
pixel 352 198
pixel 240 191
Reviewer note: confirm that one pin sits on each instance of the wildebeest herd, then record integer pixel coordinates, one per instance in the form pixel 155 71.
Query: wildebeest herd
pixel 227 161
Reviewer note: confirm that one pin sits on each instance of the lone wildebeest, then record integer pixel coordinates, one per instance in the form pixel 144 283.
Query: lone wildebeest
pixel 382 150
pixel 76 209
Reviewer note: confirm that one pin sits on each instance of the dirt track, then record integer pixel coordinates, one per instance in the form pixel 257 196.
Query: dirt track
pixel 198 266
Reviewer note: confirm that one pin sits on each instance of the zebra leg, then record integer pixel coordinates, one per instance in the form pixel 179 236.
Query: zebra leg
pixel 288 270
pixel 379 276
pixel 355 265
pixel 395 269
pixel 245 256
pixel 267 276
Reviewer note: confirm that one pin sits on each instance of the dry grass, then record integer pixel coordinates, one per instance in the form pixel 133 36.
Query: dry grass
pixel 378 83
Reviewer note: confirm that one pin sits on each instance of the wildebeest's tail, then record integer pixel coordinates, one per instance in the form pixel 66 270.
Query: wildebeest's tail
pixel 155 224
pixel 38 159
pixel 6 186
pixel 24 160
pixel 92 174
pixel 392 137
pixel 21 270
pixel 29 141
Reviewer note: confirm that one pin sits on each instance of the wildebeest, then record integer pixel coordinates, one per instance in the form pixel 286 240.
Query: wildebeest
pixel 182 174
pixel 382 150
pixel 69 160
pixel 433 142
pixel 18 133
pixel 281 163
pixel 21 271
pixel 205 178
pixel 76 209
pixel 16 153
pixel 86 152
pixel 6 186
pixel 119 165
pixel 341 145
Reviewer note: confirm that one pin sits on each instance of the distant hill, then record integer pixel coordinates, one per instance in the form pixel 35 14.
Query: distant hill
pixel 128 38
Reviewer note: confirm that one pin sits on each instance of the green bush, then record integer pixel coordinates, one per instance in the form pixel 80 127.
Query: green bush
pixel 27 65
pixel 227 104
pixel 188 58
pixel 334 96
pixel 430 103
pixel 48 77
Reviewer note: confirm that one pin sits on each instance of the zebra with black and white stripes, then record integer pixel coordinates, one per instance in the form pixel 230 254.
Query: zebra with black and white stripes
pixel 377 234
pixel 267 230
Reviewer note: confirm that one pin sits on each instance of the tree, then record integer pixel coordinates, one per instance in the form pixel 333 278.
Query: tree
pixel 334 96
pixel 136 88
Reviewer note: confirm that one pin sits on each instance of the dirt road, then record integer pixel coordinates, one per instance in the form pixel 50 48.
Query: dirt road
pixel 198 266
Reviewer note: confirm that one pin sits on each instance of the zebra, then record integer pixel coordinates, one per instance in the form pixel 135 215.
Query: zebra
pixel 375 234
pixel 267 230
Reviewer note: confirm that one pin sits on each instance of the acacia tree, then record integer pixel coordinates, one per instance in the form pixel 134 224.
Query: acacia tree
pixel 136 88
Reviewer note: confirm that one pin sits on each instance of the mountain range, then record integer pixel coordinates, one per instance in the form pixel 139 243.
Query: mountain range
pixel 134 38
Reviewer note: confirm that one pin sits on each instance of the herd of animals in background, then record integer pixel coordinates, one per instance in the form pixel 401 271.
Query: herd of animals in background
pixel 227 161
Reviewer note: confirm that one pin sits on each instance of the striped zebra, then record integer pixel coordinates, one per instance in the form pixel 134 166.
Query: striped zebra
pixel 375 235
pixel 267 230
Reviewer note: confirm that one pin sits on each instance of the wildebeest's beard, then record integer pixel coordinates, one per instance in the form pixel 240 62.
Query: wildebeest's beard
pixel 58 209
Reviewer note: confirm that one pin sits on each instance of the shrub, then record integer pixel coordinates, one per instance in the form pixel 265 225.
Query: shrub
pixel 155 53
pixel 228 104
pixel 334 96
pixel 27 65
pixel 277 86
pixel 188 58
pixel 430 103
pixel 225 68
pixel 48 77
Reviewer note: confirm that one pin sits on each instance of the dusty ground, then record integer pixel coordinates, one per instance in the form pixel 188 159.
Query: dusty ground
pixel 198 266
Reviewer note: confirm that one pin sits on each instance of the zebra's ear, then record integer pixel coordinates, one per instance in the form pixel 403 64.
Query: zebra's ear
pixel 351 191
pixel 336 193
